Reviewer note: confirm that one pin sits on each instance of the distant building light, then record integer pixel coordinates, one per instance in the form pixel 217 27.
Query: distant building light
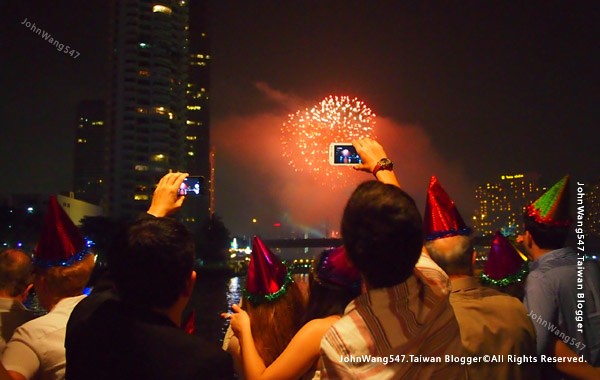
pixel 190 153
pixel 140 197
pixel 162 9
pixel 19 245
pixel 30 209
pixel 190 137
pixel 277 224
pixel 141 168
pixel 194 108
pixel 143 45
pixel 159 158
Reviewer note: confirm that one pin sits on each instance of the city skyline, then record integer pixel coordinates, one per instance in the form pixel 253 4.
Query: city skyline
pixel 486 90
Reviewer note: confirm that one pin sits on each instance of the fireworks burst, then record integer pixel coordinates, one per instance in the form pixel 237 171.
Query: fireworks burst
pixel 306 136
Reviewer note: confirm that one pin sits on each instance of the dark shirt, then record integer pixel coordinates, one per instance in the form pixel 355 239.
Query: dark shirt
pixel 107 339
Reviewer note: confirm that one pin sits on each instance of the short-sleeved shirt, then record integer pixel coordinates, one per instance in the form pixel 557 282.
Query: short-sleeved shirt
pixel 412 318
pixel 493 323
pixel 12 315
pixel 562 297
pixel 38 346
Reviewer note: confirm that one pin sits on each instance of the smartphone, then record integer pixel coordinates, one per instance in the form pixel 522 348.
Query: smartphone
pixel 343 154
pixel 192 185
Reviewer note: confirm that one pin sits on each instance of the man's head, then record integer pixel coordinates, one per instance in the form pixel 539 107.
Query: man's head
pixel 382 231
pixel 57 282
pixel 544 236
pixel 152 262
pixel 15 274
pixel 453 254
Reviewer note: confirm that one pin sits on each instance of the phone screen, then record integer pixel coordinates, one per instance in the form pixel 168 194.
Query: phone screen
pixel 345 154
pixel 192 185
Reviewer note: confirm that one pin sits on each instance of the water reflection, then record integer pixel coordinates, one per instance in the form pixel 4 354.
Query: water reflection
pixel 214 294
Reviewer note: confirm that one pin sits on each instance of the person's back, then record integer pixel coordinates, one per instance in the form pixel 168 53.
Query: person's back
pixel 15 281
pixel 134 332
pixel 494 323
pixel 491 323
pixel 574 321
pixel 108 339
pixel 403 327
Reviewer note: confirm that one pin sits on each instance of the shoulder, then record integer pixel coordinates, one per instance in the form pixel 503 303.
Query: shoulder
pixel 320 325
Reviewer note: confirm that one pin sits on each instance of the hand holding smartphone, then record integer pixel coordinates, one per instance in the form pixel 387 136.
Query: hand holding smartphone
pixel 343 154
pixel 192 185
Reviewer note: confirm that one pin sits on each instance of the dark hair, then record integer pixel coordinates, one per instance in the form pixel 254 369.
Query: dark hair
pixel 383 233
pixel 15 271
pixel 327 299
pixel 151 261
pixel 546 236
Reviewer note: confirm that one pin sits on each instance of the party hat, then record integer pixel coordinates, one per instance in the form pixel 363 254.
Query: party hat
pixel 61 243
pixel 268 278
pixel 441 216
pixel 190 324
pixel 553 206
pixel 334 268
pixel 505 264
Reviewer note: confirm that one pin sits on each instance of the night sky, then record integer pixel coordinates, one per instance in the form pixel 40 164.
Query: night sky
pixel 464 90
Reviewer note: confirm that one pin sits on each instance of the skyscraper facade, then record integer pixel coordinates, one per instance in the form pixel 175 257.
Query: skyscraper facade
pixel 502 203
pixel 90 151
pixel 197 137
pixel 147 102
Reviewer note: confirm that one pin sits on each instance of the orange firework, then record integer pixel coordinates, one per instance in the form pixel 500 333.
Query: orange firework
pixel 306 136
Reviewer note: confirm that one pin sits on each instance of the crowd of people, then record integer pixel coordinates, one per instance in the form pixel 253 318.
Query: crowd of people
pixel 399 299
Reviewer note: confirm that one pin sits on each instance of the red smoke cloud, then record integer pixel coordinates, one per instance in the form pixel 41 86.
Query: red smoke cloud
pixel 253 180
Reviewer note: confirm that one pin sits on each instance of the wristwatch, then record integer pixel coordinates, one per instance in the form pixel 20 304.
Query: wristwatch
pixel 383 164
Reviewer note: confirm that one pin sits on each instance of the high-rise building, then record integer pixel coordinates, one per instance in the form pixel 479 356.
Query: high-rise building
pixel 197 137
pixel 90 144
pixel 502 203
pixel 147 103
pixel 592 208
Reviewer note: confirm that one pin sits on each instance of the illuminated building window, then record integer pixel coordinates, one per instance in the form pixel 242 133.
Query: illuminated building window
pixel 190 122
pixel 162 9
pixel 190 153
pixel 140 197
pixel 144 73
pixel 142 110
pixel 144 45
pixel 190 137
pixel 97 123
pixel 171 115
pixel 194 108
pixel 141 168
pixel 159 158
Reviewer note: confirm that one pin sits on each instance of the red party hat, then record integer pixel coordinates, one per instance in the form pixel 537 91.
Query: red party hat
pixel 441 216
pixel 190 323
pixel 268 277
pixel 334 268
pixel 505 264
pixel 61 243
pixel 553 206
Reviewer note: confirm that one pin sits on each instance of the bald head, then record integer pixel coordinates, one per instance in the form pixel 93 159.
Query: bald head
pixel 15 272
pixel 453 254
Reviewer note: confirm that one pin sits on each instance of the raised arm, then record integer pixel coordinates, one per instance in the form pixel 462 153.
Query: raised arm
pixel 297 359
pixel 371 152
pixel 165 200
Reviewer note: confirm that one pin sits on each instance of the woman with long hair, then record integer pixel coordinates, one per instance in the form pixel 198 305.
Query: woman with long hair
pixel 333 283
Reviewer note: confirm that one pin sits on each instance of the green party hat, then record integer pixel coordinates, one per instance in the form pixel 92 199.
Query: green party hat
pixel 553 206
